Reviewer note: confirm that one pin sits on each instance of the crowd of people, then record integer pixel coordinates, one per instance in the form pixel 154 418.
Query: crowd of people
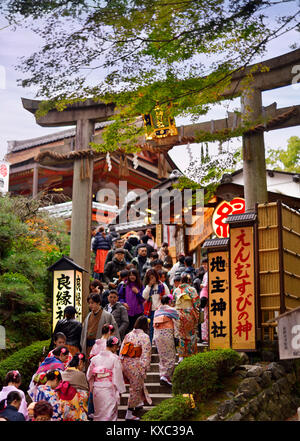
pixel 138 297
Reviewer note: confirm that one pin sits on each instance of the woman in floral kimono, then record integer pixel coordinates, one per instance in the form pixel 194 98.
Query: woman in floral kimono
pixel 187 303
pixel 136 358
pixel 55 362
pixel 47 392
pixel 165 331
pixel 106 381
pixel 75 409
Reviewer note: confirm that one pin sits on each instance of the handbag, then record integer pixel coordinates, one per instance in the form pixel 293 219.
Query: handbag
pixel 147 307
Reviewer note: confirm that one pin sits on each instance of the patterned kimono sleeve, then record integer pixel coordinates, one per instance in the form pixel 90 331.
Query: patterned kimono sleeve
pixel 146 353
pixel 89 373
pixel 122 345
pixel 40 395
pixel 118 376
pixel 195 299
pixel 176 328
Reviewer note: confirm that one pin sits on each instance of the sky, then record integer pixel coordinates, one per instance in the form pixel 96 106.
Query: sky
pixel 18 124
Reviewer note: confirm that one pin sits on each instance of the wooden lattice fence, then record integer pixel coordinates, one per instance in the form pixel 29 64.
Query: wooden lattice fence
pixel 279 263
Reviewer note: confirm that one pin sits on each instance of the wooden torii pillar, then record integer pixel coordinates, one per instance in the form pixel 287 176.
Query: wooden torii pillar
pixel 83 115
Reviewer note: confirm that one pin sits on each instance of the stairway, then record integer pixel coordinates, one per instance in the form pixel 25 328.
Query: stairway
pixel 157 392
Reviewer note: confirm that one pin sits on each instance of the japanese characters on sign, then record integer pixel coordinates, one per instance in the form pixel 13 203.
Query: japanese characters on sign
pixel 219 302
pixel 221 213
pixel 63 293
pixel 78 295
pixel 242 288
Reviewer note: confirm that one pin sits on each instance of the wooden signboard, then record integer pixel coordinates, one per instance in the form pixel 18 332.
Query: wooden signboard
pixel 289 335
pixel 242 280
pixel 158 234
pixel 78 295
pixel 219 300
pixel 63 293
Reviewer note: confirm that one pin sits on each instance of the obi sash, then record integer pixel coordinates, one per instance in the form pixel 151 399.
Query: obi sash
pixel 129 350
pixel 163 322
pixel 184 301
pixel 101 374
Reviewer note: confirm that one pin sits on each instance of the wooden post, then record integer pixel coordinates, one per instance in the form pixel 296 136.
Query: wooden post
pixel 82 207
pixel 35 184
pixel 254 163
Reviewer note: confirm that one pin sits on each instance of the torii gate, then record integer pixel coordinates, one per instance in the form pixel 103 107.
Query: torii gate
pixel 280 73
pixel 85 114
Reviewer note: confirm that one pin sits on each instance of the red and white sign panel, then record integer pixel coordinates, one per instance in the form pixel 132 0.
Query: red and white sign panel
pixel 221 213
pixel 4 176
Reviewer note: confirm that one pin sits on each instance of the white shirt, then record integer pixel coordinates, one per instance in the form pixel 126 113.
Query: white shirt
pixel 156 303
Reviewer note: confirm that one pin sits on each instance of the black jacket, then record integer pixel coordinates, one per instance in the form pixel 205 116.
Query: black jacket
pixel 142 264
pixel 112 269
pixel 72 330
pixel 12 414
pixel 150 249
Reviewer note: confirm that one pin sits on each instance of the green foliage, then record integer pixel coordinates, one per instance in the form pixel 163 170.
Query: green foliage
pixel 147 52
pixel 26 361
pixel 177 408
pixel 34 325
pixel 11 228
pixel 199 374
pixel 30 241
pixel 286 160
pixel 185 182
pixel 18 294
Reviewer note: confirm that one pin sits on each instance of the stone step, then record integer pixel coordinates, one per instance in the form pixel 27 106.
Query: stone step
pixel 155 388
pixel 154 367
pixel 152 377
pixel 156 398
pixel 123 409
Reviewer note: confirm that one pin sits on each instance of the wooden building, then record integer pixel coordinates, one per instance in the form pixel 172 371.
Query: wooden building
pixel 28 177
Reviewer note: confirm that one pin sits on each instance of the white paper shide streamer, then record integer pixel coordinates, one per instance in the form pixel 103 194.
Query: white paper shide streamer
pixel 135 161
pixel 108 161
pixel 199 170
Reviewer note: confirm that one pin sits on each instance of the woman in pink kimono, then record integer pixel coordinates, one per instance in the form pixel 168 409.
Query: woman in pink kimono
pixel 106 381
pixel 12 383
pixel 136 358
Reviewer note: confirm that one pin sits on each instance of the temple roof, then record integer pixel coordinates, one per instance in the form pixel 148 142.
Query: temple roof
pixel 24 144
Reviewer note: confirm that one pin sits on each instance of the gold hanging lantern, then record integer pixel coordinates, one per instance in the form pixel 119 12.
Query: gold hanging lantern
pixel 158 124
